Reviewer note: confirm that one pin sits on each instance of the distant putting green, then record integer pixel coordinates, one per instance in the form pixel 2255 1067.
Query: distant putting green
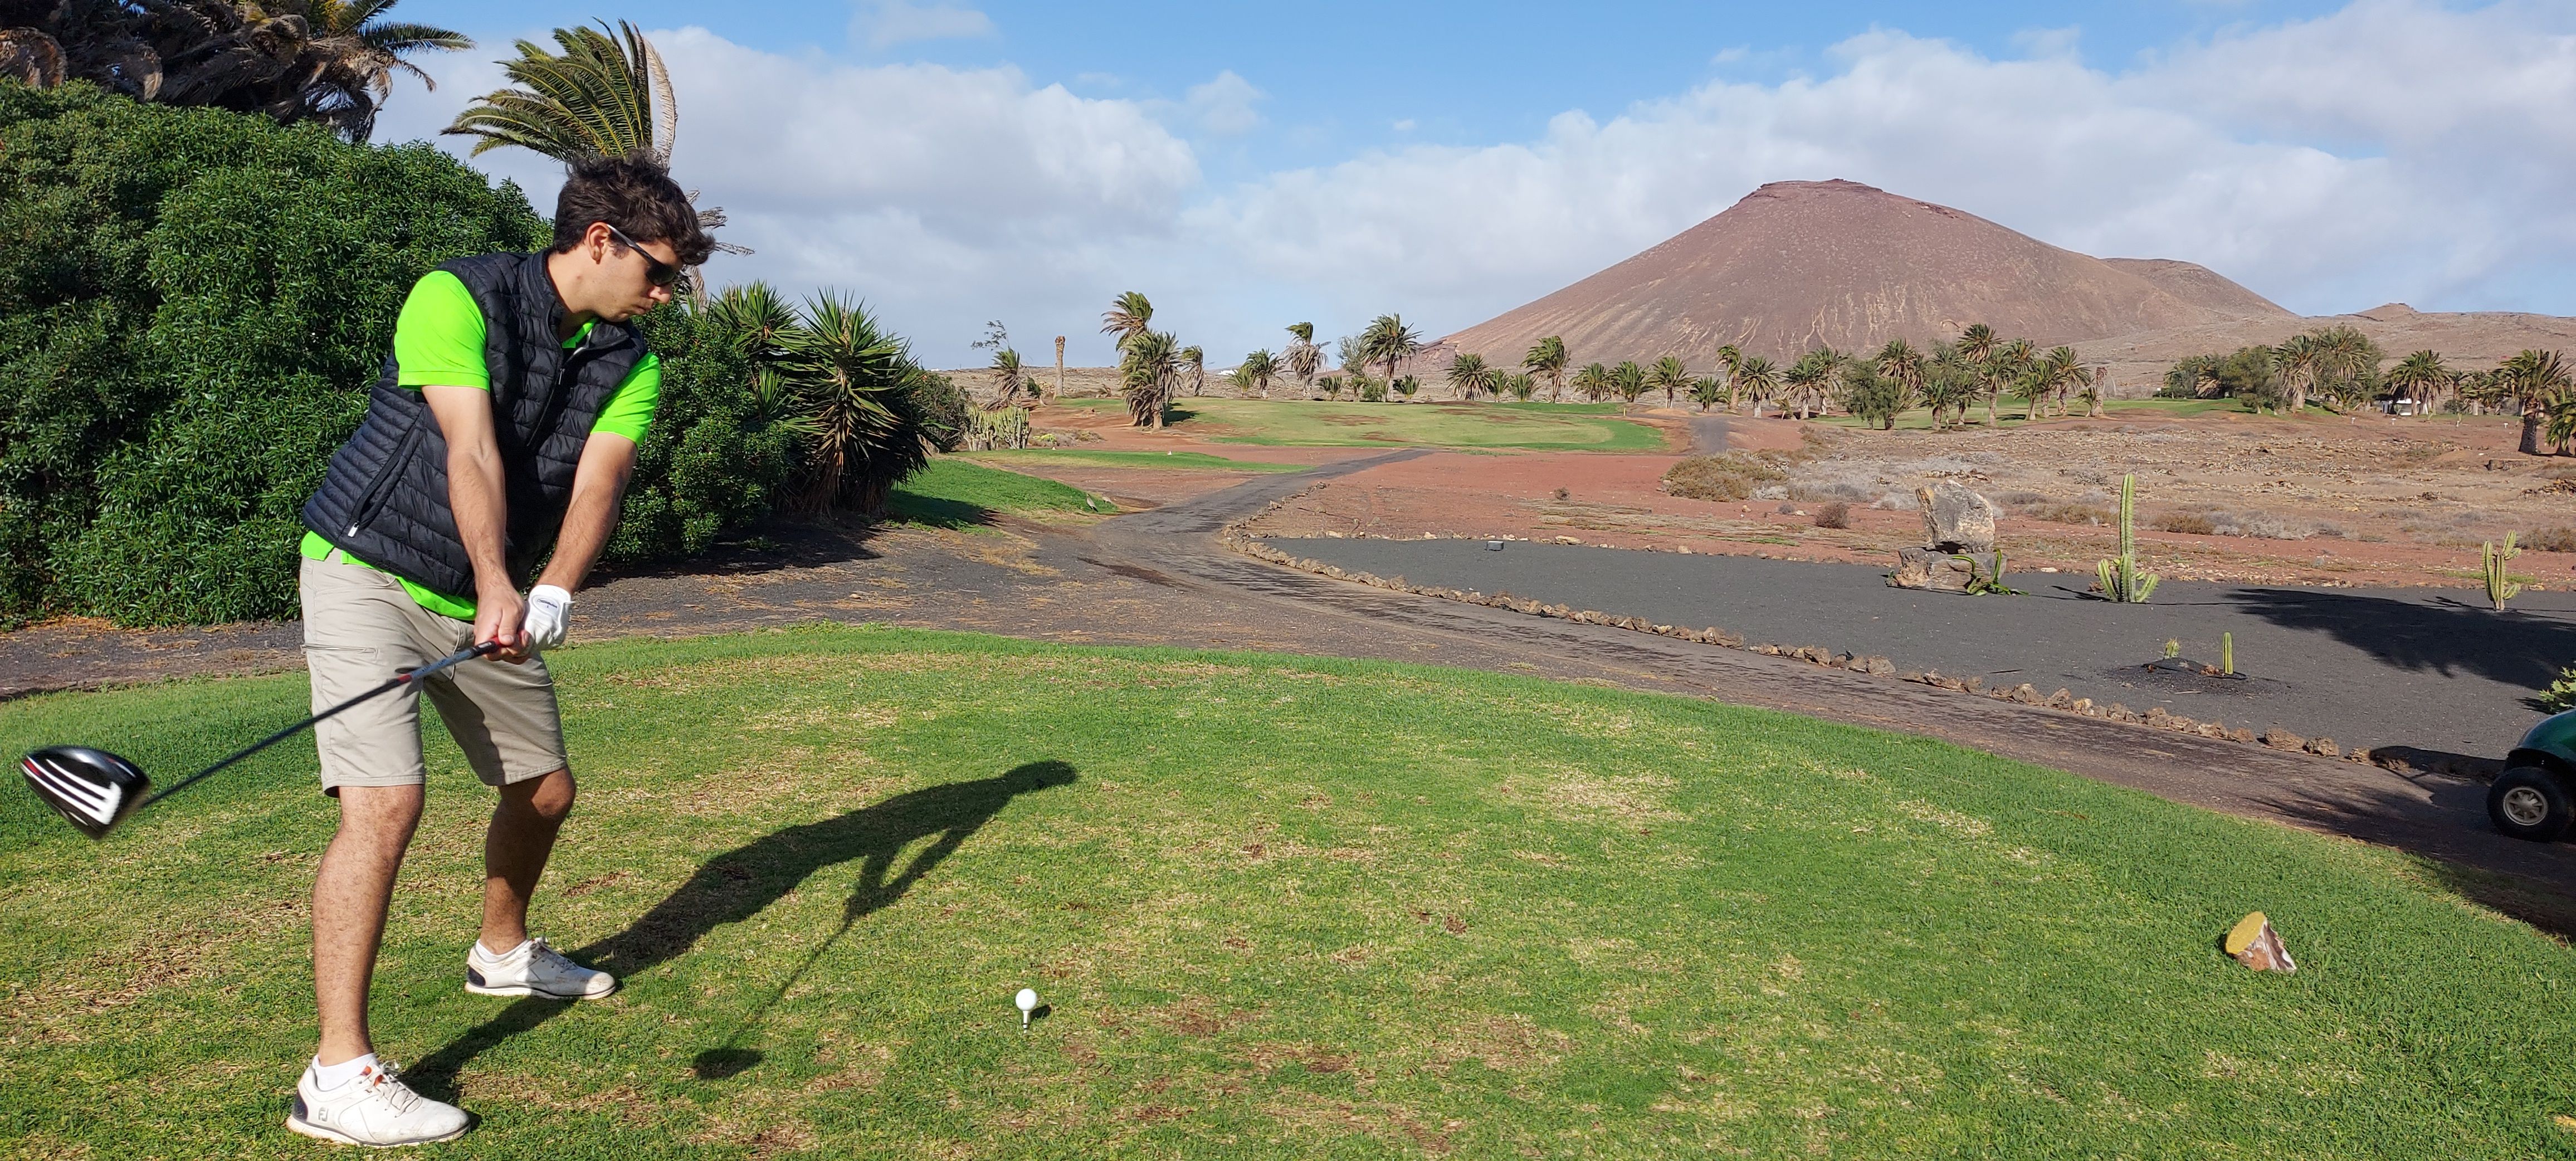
pixel 1276 907
pixel 1168 460
pixel 1306 423
pixel 952 493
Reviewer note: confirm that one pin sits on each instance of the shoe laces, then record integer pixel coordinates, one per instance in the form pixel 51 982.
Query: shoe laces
pixel 539 951
pixel 385 1081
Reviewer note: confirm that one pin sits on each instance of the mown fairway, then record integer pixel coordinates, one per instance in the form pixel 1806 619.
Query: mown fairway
pixel 1548 426
pixel 1162 460
pixel 1280 907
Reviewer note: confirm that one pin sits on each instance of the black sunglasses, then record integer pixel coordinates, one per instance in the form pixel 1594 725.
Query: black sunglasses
pixel 658 272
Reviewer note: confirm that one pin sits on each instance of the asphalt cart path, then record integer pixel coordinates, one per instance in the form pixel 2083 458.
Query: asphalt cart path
pixel 2443 818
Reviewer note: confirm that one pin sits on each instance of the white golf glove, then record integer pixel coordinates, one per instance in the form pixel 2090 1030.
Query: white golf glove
pixel 549 614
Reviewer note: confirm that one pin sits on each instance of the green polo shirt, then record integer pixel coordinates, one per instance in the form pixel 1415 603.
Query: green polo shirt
pixel 438 341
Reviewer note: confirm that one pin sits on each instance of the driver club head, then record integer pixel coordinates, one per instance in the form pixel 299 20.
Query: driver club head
pixel 93 789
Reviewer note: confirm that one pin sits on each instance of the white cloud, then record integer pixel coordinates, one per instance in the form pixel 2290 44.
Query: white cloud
pixel 886 23
pixel 1223 105
pixel 944 196
pixel 2393 150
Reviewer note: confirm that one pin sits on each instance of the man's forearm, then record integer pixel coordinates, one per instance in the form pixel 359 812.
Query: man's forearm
pixel 587 525
pixel 481 509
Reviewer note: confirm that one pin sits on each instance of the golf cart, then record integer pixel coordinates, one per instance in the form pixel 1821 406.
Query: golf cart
pixel 2533 799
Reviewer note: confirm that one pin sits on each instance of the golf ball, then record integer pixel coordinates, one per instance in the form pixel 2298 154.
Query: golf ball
pixel 1027 999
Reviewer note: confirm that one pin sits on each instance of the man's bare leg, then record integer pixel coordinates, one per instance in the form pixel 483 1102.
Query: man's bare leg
pixel 350 893
pixel 515 850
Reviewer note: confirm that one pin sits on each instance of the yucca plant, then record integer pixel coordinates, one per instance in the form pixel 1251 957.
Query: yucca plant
pixel 853 378
pixel 2121 578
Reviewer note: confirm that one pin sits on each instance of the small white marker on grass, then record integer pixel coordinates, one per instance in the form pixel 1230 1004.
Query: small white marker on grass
pixel 1027 1002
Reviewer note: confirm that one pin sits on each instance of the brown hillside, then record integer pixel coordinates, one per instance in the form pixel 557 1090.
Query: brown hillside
pixel 1797 264
pixel 2201 286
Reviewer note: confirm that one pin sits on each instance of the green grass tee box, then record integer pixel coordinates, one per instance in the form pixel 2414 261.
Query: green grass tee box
pixel 1543 426
pixel 952 493
pixel 1276 907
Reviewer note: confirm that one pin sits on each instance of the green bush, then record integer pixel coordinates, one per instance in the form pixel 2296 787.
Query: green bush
pixel 2560 697
pixel 192 304
pixel 718 455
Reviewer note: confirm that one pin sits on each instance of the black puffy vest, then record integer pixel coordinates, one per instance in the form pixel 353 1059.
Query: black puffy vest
pixel 384 500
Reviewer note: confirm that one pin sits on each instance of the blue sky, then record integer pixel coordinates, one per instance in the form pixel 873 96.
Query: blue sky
pixel 960 161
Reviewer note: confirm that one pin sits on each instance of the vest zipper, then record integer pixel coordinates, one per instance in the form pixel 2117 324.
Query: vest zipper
pixel 380 491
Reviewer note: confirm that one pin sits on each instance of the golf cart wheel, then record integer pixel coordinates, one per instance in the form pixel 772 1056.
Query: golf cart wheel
pixel 2528 802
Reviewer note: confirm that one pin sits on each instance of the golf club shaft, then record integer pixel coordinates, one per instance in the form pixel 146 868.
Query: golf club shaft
pixel 391 684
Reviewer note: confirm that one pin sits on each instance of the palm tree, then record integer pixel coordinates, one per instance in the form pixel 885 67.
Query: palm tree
pixel 1811 377
pixel 2421 378
pixel 1949 386
pixel 1195 359
pixel 1730 359
pixel 1254 374
pixel 2057 371
pixel 1006 373
pixel 1304 358
pixel 1670 374
pixel 1149 361
pixel 1978 345
pixel 1593 381
pixel 2537 383
pixel 1757 378
pixel 2301 359
pixel 1387 340
pixel 1126 317
pixel 1519 385
pixel 1905 367
pixel 1352 352
pixel 603 97
pixel 1547 357
pixel 1707 391
pixel 1628 380
pixel 1469 376
pixel 331 61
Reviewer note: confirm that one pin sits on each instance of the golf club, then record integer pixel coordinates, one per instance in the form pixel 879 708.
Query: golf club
pixel 95 790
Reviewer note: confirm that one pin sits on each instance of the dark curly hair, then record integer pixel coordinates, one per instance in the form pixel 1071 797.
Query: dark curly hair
pixel 635 194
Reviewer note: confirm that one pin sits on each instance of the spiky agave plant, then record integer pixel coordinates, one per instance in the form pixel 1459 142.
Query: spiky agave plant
pixel 854 379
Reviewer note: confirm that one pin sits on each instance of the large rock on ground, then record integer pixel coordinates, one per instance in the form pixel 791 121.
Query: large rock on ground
pixel 1956 519
pixel 1940 572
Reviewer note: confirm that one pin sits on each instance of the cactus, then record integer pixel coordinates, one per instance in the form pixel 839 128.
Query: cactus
pixel 2500 586
pixel 2121 580
pixel 2227 654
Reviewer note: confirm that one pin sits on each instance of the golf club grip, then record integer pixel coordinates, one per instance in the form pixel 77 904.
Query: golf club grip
pixel 391 684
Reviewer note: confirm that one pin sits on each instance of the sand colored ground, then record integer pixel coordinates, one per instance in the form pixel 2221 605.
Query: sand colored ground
pixel 2323 500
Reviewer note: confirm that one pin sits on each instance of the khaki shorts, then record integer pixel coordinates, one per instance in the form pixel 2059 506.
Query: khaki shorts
pixel 359 628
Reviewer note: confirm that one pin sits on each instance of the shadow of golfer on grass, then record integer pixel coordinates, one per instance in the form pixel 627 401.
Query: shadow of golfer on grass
pixel 740 883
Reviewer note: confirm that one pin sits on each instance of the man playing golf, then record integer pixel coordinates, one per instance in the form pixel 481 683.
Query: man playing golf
pixel 504 425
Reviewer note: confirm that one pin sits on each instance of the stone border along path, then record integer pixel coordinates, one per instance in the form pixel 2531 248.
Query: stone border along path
pixel 2396 802
pixel 2417 669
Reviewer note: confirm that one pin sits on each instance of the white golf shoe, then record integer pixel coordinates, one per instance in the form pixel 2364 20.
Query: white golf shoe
pixel 374 1108
pixel 533 969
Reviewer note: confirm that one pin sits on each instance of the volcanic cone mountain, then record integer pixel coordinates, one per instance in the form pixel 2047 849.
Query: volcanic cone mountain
pixel 1798 264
